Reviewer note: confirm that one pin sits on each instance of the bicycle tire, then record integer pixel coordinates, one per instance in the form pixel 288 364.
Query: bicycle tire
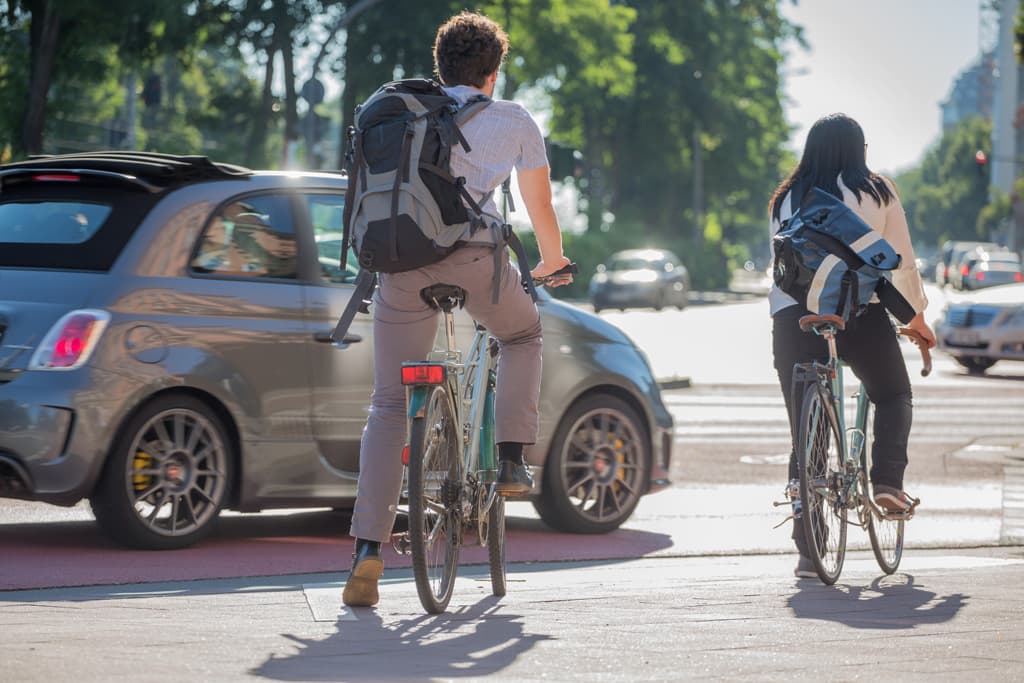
pixel 496 545
pixel 435 483
pixel 886 534
pixel 819 453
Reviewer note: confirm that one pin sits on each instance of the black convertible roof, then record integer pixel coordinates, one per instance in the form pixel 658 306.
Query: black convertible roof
pixel 149 170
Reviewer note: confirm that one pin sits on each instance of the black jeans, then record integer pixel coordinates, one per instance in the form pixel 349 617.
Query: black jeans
pixel 870 348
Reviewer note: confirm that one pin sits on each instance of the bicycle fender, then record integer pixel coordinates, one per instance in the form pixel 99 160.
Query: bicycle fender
pixel 418 400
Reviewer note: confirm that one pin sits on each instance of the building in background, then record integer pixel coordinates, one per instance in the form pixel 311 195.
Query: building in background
pixel 972 94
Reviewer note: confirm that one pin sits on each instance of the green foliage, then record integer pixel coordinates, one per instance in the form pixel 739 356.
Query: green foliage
pixel 945 195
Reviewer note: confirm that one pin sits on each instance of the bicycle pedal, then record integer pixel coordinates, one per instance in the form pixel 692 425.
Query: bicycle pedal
pixel 401 544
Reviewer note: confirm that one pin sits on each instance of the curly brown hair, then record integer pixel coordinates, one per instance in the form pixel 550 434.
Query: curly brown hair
pixel 468 48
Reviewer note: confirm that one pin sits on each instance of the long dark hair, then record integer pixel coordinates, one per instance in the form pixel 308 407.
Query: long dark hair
pixel 835 145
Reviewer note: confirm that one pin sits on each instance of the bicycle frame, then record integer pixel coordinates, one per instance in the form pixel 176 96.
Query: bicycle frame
pixel 853 492
pixel 472 382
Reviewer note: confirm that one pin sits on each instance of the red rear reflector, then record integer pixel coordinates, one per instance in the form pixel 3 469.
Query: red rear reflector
pixel 422 374
pixel 980 275
pixel 1018 277
pixel 405 454
pixel 57 177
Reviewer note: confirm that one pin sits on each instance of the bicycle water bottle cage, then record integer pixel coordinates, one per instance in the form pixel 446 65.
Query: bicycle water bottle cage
pixel 444 297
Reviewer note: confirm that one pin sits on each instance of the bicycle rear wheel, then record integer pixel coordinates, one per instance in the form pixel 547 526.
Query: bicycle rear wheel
pixel 886 534
pixel 821 474
pixel 496 545
pixel 435 501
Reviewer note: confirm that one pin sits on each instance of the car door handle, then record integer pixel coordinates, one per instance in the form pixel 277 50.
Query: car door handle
pixel 325 337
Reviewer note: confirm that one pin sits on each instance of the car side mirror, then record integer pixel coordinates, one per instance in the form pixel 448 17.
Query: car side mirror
pixel 600 268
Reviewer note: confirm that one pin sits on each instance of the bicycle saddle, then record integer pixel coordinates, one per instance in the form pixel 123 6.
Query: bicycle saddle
pixel 810 322
pixel 443 297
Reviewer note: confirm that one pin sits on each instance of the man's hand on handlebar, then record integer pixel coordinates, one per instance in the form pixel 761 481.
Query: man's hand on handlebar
pixel 554 274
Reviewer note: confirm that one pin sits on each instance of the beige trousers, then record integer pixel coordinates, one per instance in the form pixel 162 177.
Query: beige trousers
pixel 404 329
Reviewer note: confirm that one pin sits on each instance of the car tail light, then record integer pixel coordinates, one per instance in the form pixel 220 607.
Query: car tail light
pixel 405 454
pixel 964 270
pixel 57 177
pixel 70 342
pixel 422 373
pixel 1018 277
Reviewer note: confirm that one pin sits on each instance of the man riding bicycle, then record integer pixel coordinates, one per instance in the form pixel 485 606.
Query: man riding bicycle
pixel 468 52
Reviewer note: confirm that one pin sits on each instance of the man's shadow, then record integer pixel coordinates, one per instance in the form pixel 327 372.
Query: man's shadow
pixel 890 602
pixel 481 641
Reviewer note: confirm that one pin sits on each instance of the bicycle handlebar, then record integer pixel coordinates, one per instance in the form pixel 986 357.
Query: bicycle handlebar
pixel 565 273
pixel 922 344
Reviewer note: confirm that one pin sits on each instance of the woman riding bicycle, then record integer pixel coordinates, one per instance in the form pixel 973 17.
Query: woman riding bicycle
pixel 468 52
pixel 834 160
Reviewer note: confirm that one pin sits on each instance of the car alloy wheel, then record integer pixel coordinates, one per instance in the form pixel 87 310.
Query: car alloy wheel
pixel 167 477
pixel 597 467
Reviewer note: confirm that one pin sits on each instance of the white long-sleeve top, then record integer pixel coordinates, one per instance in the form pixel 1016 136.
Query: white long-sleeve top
pixel 890 221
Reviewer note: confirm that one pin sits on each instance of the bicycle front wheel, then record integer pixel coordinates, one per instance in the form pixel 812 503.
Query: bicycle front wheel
pixel 821 479
pixel 886 534
pixel 496 545
pixel 435 501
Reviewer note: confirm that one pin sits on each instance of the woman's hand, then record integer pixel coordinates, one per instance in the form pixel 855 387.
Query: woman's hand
pixel 919 325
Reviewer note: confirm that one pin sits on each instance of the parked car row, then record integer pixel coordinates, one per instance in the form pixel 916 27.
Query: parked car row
pixel 976 265
pixel 165 352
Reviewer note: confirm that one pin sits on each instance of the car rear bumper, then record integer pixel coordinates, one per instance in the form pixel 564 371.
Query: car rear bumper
pixel 54 432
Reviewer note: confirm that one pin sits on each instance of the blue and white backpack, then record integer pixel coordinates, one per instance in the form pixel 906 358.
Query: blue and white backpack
pixel 832 262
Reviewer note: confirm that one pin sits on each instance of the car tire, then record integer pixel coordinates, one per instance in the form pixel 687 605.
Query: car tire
pixel 594 488
pixel 684 300
pixel 976 365
pixel 659 301
pixel 166 477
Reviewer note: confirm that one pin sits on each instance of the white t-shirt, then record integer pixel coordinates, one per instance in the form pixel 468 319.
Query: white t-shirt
pixel 502 136
pixel 890 221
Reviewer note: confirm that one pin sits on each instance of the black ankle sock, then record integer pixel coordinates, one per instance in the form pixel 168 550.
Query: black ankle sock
pixel 510 450
pixel 372 547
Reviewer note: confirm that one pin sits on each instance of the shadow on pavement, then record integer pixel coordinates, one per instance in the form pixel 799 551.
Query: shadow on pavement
pixel 483 640
pixel 890 602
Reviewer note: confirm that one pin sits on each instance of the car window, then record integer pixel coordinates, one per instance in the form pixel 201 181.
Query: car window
pixel 50 222
pixel 327 214
pixel 251 237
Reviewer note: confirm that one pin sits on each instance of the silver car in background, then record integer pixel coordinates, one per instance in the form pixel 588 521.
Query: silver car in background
pixel 165 352
pixel 982 328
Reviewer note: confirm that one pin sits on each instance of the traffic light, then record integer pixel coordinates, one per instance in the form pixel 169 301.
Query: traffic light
pixel 152 91
pixel 980 161
pixel 565 162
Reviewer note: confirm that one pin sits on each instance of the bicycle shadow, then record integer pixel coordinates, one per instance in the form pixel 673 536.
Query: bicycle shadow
pixel 890 602
pixel 467 642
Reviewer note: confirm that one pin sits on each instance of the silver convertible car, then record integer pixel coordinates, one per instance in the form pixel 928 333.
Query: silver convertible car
pixel 165 352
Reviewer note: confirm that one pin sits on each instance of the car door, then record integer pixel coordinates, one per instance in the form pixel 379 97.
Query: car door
pixel 341 374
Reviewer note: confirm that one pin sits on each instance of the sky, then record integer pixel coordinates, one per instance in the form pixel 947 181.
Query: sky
pixel 887 63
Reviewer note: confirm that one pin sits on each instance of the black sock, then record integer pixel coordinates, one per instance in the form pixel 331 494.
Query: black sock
pixel 372 547
pixel 510 450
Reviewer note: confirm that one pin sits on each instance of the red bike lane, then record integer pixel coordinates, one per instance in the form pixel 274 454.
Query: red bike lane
pixel 75 553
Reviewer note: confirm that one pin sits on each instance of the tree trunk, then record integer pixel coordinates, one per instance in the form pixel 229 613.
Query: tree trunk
pixel 285 43
pixel 44 34
pixel 698 189
pixel 255 153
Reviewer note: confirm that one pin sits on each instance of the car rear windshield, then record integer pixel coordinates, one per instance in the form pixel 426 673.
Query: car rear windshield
pixel 76 228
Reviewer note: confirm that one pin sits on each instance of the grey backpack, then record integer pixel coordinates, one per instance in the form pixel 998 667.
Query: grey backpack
pixel 404 208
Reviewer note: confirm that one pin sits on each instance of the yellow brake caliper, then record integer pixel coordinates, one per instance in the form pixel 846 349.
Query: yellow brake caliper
pixel 142 461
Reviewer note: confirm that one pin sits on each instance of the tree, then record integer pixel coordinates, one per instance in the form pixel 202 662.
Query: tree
pixel 945 195
pixel 59 34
